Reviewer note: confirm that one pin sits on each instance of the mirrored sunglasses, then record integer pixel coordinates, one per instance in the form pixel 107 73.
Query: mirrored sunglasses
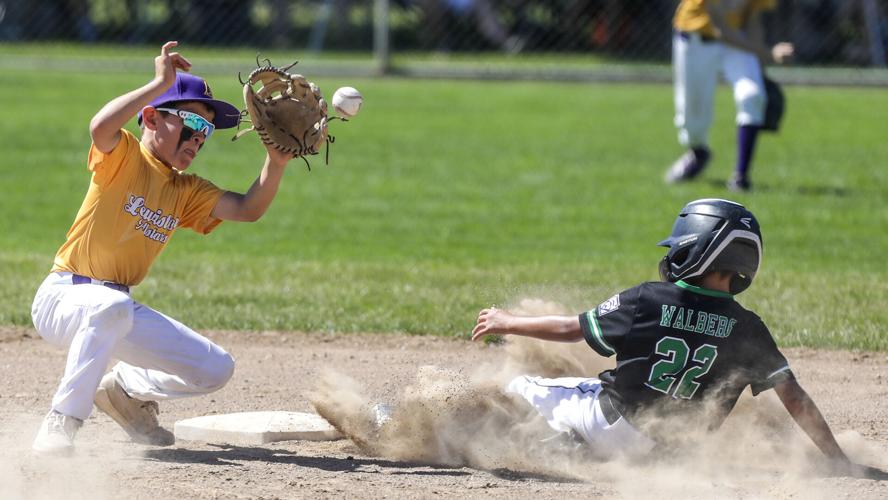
pixel 193 121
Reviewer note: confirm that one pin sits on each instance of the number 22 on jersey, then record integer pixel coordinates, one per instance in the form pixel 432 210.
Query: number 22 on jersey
pixel 665 372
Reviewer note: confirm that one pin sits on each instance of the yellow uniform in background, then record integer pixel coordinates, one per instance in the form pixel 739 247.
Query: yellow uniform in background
pixel 700 56
pixel 692 16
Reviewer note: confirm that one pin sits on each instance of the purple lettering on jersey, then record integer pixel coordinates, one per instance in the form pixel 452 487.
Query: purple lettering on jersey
pixel 148 217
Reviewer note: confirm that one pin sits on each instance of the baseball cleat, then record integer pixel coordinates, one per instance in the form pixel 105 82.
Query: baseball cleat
pixel 138 418
pixel 688 166
pixel 56 435
pixel 738 184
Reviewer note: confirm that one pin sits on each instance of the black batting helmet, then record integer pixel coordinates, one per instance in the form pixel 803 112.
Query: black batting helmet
pixel 713 235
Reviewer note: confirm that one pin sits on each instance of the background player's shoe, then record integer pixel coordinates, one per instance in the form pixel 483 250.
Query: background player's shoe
pixel 138 418
pixel 738 184
pixel 56 435
pixel 688 166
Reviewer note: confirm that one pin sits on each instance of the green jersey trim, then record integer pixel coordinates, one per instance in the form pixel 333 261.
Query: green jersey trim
pixel 597 338
pixel 703 291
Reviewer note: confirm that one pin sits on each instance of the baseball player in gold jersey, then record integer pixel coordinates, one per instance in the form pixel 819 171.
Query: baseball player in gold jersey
pixel 139 195
pixel 715 38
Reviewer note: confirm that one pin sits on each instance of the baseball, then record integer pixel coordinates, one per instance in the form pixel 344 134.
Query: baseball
pixel 347 101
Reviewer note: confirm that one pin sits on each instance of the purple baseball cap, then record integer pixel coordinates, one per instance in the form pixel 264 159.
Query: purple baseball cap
pixel 189 87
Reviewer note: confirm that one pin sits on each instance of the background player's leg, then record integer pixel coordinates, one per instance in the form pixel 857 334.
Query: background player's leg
pixel 743 71
pixel 747 136
pixel 695 72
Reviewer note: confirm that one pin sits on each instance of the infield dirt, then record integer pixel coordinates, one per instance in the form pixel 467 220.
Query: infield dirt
pixel 453 436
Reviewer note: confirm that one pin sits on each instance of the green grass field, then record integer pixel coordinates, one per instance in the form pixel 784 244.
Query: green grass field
pixel 443 197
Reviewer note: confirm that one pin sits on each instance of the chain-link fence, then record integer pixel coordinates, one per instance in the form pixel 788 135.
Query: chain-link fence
pixel 837 41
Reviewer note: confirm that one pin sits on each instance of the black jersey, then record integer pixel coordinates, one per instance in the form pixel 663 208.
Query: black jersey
pixel 678 346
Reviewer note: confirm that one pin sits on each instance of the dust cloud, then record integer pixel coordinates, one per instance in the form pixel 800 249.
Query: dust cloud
pixel 85 475
pixel 464 419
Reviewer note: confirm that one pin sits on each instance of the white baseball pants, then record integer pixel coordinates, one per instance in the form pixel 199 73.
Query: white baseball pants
pixel 160 358
pixel 571 404
pixel 696 67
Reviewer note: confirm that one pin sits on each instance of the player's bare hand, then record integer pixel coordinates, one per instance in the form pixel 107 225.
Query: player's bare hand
pixel 782 52
pixel 166 64
pixel 491 321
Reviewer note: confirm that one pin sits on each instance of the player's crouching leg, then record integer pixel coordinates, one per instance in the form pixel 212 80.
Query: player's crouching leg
pixel 137 414
pixel 91 320
pixel 215 373
pixel 138 418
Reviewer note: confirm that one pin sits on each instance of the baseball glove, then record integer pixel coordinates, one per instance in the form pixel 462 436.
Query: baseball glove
pixel 775 107
pixel 286 110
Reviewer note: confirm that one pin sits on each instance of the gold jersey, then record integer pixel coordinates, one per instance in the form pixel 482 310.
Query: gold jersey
pixel 691 15
pixel 133 206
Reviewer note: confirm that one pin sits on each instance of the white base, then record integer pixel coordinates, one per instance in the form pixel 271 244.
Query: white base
pixel 258 427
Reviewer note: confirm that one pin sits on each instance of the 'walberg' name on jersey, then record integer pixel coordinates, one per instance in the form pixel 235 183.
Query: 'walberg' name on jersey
pixel 714 325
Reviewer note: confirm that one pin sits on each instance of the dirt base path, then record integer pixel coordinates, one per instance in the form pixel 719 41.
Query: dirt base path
pixel 277 371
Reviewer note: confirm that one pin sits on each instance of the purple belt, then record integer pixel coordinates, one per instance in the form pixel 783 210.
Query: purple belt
pixel 685 35
pixel 83 280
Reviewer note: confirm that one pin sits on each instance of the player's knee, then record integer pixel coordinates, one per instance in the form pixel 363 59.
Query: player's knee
pixel 216 372
pixel 751 100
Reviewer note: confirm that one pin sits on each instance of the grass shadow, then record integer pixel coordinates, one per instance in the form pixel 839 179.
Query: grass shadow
pixel 802 190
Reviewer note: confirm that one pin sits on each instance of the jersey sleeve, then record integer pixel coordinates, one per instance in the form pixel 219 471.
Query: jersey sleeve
pixel 768 365
pixel 605 326
pixel 201 200
pixel 106 166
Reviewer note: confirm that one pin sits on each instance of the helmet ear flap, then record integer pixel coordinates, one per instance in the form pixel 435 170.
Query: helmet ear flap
pixel 664 268
pixel 739 282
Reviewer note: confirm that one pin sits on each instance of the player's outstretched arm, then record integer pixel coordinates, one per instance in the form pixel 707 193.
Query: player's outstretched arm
pixel 104 128
pixel 803 410
pixel 251 206
pixel 493 321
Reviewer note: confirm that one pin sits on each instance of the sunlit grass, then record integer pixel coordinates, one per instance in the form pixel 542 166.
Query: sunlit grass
pixel 443 197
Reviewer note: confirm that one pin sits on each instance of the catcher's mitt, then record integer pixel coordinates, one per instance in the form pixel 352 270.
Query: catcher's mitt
pixel 775 106
pixel 287 111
